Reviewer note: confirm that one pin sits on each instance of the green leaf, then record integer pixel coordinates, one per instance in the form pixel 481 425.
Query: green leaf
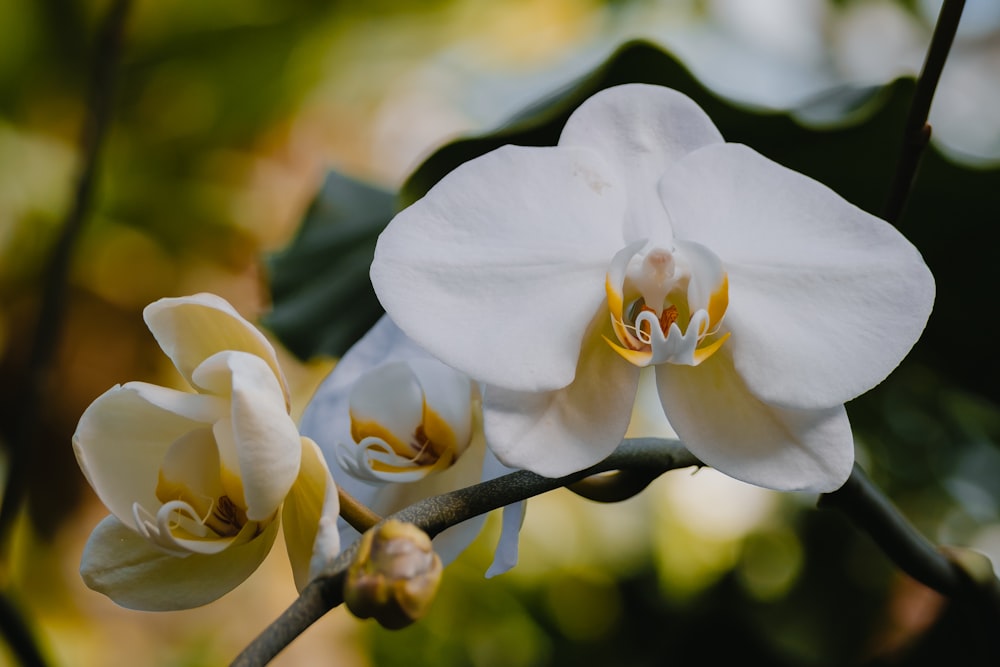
pixel 322 297
pixel 817 139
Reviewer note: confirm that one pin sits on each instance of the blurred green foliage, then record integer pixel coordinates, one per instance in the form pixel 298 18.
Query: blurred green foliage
pixel 212 95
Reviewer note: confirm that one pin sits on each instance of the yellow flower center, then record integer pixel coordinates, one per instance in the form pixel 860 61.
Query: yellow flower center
pixel 667 306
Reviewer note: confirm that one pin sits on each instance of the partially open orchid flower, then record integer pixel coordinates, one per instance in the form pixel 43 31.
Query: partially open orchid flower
pixel 196 481
pixel 763 300
pixel 402 426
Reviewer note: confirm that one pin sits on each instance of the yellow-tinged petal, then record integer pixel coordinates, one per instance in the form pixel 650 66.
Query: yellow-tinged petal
pixel 638 358
pixel 718 303
pixel 703 353
pixel 126 567
pixel 191 329
pixel 124 435
pixel 259 439
pixel 310 516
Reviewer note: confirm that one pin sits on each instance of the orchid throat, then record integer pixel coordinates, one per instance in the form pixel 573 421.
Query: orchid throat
pixel 408 419
pixel 666 305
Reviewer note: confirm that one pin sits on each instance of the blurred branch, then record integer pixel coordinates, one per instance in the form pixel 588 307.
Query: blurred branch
pixel 15 628
pixel 868 508
pixel 18 635
pixel 53 301
pixel 917 132
pixel 649 456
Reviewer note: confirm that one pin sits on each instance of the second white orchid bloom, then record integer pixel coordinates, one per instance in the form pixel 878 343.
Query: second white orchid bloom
pixel 402 426
pixel 196 481
pixel 763 299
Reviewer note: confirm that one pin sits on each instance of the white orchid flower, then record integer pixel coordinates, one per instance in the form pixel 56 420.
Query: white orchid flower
pixel 196 481
pixel 763 299
pixel 402 427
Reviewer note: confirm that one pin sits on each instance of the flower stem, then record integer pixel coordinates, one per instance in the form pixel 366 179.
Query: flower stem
pixel 356 513
pixel 650 456
pixel 966 578
pixel 917 132
pixel 613 487
pixel 859 499
pixel 53 301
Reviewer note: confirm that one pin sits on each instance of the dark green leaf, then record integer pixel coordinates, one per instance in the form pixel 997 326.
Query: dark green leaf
pixel 323 299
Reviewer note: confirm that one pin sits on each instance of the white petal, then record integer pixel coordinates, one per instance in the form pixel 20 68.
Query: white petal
pixel 124 435
pixel 641 130
pixel 499 269
pixel 559 432
pixel 259 444
pixel 824 299
pixel 721 422
pixel 310 515
pixel 128 569
pixel 190 329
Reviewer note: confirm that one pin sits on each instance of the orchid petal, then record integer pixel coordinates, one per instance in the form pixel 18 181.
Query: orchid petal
pixel 725 425
pixel 190 329
pixel 259 444
pixel 191 465
pixel 499 269
pixel 641 130
pixel 824 299
pixel 123 565
pixel 310 517
pixel 558 432
pixel 506 554
pixel 123 436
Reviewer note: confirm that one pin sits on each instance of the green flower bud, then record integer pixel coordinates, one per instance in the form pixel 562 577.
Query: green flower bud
pixel 394 576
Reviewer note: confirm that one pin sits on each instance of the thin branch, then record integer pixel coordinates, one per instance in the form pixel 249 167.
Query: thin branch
pixel 16 630
pixel 649 455
pixel 356 513
pixel 868 508
pixel 916 132
pixel 873 513
pixel 613 487
pixel 19 637
pixel 53 302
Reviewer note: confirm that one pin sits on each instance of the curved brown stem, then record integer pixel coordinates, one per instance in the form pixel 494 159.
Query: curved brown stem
pixel 354 512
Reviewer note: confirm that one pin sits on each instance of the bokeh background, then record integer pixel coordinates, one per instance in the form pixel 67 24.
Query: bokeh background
pixel 227 117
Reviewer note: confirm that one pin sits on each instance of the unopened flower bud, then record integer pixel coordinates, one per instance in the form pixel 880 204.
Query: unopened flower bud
pixel 394 576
